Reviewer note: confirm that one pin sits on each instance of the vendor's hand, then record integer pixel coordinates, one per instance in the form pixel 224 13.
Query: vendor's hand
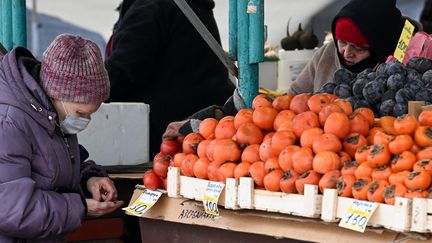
pixel 96 208
pixel 102 189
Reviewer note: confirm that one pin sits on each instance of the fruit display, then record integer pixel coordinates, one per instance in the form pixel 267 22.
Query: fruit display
pixel 386 90
pixel 288 141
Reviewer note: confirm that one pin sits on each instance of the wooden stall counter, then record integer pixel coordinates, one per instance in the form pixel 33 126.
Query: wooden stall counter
pixel 184 220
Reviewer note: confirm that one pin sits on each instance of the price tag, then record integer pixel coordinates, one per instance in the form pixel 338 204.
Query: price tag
pixel 404 40
pixel 211 197
pixel 357 215
pixel 147 199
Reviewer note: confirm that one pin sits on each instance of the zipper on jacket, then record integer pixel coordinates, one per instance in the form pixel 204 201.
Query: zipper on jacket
pixel 72 157
pixel 66 143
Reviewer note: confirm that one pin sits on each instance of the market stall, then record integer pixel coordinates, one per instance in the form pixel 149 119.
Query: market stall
pixel 312 167
pixel 307 167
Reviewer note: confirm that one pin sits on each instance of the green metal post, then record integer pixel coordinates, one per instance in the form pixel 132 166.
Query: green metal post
pixel 232 29
pixel 1 19
pixel 19 30
pixel 6 22
pixel 256 33
pixel 248 83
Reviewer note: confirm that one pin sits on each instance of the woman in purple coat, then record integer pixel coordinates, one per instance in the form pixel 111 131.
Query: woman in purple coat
pixel 45 191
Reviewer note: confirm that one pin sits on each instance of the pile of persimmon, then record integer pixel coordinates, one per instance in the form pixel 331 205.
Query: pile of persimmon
pixel 395 162
pixel 288 141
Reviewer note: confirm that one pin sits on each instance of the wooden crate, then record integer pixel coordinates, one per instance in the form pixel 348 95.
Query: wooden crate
pixel 395 217
pixel 194 188
pixel 307 205
pixel 416 107
pixel 421 220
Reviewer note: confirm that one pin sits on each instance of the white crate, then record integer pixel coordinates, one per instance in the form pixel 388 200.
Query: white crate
pixel 307 205
pixel 421 215
pixel 194 188
pixel 395 217
pixel 118 134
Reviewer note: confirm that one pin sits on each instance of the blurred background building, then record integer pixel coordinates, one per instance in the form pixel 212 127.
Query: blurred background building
pixel 94 19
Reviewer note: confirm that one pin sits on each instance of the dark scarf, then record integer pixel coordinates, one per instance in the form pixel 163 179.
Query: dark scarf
pixel 369 62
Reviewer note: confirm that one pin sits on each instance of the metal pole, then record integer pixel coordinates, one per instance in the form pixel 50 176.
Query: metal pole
pixel 19 29
pixel 233 29
pixel 34 31
pixel 256 33
pixel 248 82
pixel 6 21
pixel 1 20
pixel 207 36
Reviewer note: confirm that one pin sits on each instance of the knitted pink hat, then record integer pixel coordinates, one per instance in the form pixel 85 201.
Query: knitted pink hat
pixel 73 71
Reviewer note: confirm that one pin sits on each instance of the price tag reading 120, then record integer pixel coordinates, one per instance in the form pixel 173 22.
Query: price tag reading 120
pixel 147 199
pixel 357 215
pixel 211 197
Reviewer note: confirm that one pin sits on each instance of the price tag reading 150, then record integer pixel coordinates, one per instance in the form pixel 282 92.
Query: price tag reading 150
pixel 147 199
pixel 357 215
pixel 211 197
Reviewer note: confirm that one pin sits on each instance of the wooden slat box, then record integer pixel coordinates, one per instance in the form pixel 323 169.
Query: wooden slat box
pixel 421 220
pixel 395 217
pixel 194 188
pixel 307 205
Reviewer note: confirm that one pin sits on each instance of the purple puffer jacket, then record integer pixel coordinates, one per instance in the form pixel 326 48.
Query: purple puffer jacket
pixel 40 199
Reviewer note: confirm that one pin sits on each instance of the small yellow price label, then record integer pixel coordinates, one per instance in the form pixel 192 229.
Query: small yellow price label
pixel 211 197
pixel 404 41
pixel 145 201
pixel 357 215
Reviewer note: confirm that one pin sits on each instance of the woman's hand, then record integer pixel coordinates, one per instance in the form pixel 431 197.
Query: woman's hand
pixel 102 189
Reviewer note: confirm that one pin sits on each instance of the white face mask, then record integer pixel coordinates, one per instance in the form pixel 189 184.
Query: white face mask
pixel 72 124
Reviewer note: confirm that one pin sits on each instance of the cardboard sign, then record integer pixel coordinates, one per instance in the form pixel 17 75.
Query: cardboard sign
pixel 147 199
pixel 404 40
pixel 211 197
pixel 357 215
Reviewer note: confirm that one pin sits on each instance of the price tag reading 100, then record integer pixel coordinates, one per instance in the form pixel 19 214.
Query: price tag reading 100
pixel 357 215
pixel 404 41
pixel 211 197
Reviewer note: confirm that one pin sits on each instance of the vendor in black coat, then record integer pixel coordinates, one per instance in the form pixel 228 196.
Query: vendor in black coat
pixel 159 58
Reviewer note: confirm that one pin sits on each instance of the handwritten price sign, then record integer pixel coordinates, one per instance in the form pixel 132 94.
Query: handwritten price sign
pixel 211 197
pixel 147 199
pixel 404 41
pixel 357 215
